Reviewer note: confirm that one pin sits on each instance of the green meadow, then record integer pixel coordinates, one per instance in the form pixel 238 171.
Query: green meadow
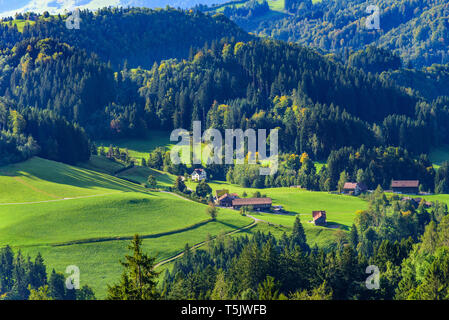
pixel 76 216
pixel 42 180
pixel 83 215
pixel 140 148
pixel 340 209
pixel 99 262
pixel 140 174
pixel 102 164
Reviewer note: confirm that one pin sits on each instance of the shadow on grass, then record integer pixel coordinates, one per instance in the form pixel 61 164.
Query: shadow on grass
pixel 336 226
pixel 54 172
pixel 228 224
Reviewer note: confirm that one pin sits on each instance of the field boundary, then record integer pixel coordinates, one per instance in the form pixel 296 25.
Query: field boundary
pixel 200 244
pixel 120 238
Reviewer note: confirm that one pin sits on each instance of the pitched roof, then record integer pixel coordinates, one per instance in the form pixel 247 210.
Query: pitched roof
pixel 318 214
pixel 350 185
pixel 404 183
pixel 251 201
pixel 219 193
pixel 227 195
pixel 353 185
pixel 199 171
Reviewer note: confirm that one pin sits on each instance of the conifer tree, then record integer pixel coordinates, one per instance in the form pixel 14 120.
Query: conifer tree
pixel 298 236
pixel 139 279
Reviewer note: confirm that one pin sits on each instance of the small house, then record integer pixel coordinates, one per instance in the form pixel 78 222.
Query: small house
pixel 405 186
pixel 319 218
pixel 354 188
pixel 199 175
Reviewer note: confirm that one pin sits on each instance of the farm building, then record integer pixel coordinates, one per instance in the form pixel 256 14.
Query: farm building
pixel 256 203
pixel 405 186
pixel 319 218
pixel 354 188
pixel 219 193
pixel 199 175
pixel 226 199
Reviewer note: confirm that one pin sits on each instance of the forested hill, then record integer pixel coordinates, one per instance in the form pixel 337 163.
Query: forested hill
pixel 139 36
pixel 417 30
pixel 318 103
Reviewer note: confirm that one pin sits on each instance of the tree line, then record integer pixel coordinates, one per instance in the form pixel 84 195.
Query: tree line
pixel 22 278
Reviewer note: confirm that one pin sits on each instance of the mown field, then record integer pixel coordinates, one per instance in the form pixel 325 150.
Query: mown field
pixel 76 216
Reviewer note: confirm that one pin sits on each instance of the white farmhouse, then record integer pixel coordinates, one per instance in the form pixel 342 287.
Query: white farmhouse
pixel 199 175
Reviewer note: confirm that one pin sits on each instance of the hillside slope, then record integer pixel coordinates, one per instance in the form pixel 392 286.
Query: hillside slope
pixel 417 30
pixel 75 216
pixel 138 36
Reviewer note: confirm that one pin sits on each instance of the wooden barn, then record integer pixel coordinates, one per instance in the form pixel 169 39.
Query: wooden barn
pixel 319 218
pixel 256 203
pixel 405 186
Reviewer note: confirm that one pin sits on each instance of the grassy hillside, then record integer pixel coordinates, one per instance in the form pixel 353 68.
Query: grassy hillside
pixel 340 209
pixel 97 218
pixel 75 216
pixel 140 174
pixel 140 148
pixel 38 179
pixel 102 164
pixel 99 262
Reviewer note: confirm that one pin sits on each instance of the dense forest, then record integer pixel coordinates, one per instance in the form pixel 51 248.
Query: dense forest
pixel 364 112
pixel 418 31
pixel 55 83
pixel 136 36
pixel 58 92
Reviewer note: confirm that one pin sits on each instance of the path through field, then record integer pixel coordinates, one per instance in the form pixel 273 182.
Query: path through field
pixel 196 246
pixel 57 200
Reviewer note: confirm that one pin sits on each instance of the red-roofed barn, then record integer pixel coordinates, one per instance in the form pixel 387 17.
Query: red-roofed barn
pixel 405 186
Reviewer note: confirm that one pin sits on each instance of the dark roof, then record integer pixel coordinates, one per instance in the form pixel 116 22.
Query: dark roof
pixel 199 171
pixel 404 183
pixel 251 201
